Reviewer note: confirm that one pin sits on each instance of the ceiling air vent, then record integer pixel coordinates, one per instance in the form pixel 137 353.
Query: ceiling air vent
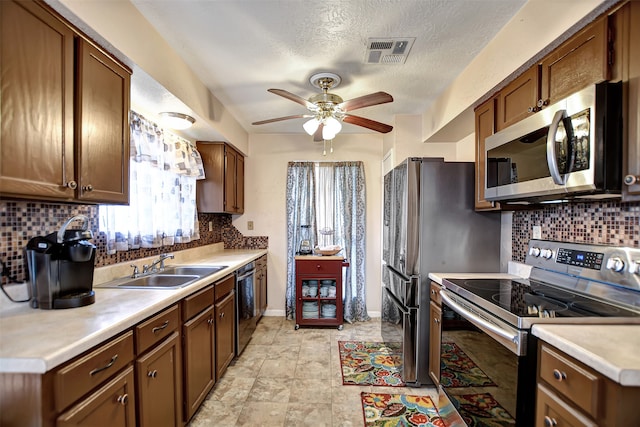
pixel 392 50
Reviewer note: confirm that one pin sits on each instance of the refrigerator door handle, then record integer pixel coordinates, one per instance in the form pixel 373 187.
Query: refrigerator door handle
pixel 397 302
pixel 398 273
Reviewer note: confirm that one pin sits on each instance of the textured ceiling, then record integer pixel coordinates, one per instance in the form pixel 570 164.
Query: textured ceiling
pixel 241 48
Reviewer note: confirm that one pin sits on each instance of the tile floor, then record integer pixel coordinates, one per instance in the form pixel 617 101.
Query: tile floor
pixel 288 378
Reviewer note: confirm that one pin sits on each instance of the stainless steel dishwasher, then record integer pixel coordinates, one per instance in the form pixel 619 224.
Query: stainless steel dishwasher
pixel 246 307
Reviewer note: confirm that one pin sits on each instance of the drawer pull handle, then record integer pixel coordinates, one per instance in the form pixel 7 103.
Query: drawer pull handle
pixel 123 400
pixel 159 328
pixel 318 266
pixel 559 375
pixel 152 374
pixel 550 422
pixel 107 366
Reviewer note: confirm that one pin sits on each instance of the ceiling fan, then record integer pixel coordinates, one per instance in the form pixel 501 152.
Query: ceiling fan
pixel 327 110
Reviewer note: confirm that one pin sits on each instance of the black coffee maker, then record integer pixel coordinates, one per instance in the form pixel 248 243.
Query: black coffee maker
pixel 61 267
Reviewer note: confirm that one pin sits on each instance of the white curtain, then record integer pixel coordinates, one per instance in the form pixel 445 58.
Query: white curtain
pixel 162 192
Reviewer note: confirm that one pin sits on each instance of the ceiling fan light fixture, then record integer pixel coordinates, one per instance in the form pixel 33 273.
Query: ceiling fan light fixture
pixel 311 126
pixel 333 125
pixel 177 121
pixel 327 134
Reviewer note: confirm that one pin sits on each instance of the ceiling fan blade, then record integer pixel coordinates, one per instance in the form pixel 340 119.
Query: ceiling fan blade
pixel 295 98
pixel 279 119
pixel 367 123
pixel 366 101
pixel 317 136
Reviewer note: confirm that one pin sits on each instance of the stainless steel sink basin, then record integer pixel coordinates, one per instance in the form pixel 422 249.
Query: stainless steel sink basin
pixel 160 281
pixel 196 270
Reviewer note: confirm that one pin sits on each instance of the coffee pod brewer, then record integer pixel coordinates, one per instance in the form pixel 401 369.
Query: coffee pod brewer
pixel 61 267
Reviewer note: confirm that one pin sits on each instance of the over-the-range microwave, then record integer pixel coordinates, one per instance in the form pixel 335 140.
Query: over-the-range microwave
pixel 571 149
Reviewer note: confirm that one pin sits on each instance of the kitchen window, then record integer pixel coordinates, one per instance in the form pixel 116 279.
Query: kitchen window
pixel 162 192
pixel 330 198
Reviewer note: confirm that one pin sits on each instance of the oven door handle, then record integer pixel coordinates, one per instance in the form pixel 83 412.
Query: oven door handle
pixel 479 321
pixel 552 157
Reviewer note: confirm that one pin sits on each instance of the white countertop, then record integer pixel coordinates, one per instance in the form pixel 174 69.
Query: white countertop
pixel 612 350
pixel 35 340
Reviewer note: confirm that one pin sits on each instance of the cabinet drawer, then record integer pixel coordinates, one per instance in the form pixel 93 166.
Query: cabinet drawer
pixel 576 383
pixel 157 328
pixel 78 378
pixel 552 411
pixel 315 267
pixel 434 293
pixel 195 303
pixel 224 286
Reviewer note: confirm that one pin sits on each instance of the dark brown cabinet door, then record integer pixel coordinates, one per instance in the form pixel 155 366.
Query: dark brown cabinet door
pixel 103 127
pixel 239 184
pixel 435 341
pixel 485 125
pixel 225 333
pixel 199 359
pixel 231 162
pixel 37 131
pixel 159 385
pixel 577 63
pixel 113 405
pixel 223 188
pixel 518 99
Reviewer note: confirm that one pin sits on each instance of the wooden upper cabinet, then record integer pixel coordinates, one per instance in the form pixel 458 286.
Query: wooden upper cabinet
pixel 223 188
pixel 577 63
pixel 485 125
pixel 103 127
pixel 518 99
pixel 64 118
pixel 37 57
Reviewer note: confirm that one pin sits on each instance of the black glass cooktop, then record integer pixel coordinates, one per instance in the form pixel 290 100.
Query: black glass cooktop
pixel 528 298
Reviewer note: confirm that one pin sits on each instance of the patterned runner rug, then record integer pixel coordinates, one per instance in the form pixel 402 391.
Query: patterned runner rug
pixel 458 370
pixel 482 410
pixel 370 363
pixel 396 410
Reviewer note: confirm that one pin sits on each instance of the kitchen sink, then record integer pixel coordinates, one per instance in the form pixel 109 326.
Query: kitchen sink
pixel 196 270
pixel 160 281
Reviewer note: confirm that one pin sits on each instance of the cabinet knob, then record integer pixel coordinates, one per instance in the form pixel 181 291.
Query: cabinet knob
pixel 318 266
pixel 550 422
pixel 433 291
pixel 542 103
pixel 631 179
pixel 221 315
pixel 210 321
pixel 152 374
pixel 71 184
pixel 559 375
pixel 436 321
pixel 123 399
pixel 533 109
pixel 87 187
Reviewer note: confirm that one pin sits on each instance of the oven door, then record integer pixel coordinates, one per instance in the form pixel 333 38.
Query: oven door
pixel 487 370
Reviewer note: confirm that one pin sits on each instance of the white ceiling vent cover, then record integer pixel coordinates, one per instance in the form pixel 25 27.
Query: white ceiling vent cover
pixel 393 50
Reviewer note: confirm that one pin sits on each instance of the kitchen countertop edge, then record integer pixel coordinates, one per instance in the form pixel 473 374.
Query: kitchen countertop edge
pixel 594 346
pixel 25 350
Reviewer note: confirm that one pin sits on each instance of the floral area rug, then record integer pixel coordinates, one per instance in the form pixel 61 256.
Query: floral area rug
pixel 482 410
pixel 458 370
pixel 370 363
pixel 396 410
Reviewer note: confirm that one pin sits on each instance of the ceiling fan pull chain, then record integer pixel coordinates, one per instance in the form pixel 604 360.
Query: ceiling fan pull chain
pixel 331 151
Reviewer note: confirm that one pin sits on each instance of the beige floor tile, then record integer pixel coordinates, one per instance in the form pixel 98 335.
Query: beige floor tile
pixel 308 415
pixel 262 414
pixel 270 390
pixel 347 415
pixel 278 368
pixel 232 389
pixel 216 413
pixel 312 369
pixel 310 390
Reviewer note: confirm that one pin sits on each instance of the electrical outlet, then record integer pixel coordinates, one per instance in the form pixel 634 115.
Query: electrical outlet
pixel 249 225
pixel 537 232
pixel 210 225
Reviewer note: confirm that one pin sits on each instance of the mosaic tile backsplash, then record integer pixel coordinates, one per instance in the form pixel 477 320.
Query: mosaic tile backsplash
pixel 22 220
pixel 603 223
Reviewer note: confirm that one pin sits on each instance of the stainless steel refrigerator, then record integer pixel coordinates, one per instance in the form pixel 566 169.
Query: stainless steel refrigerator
pixel 429 225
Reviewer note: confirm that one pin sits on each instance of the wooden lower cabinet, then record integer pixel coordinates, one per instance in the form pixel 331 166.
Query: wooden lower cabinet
pixel 435 316
pixel 113 405
pixel 261 285
pixel 159 384
pixel 199 359
pixel 569 393
pixel 225 332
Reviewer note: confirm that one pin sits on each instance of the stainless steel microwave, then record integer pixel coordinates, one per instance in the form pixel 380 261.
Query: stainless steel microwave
pixel 571 149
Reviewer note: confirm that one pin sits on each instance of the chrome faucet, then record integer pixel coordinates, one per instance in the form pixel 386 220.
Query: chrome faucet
pixel 152 268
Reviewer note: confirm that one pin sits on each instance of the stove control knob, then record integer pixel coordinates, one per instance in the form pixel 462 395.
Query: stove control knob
pixel 546 253
pixel 535 252
pixel 634 268
pixel 615 264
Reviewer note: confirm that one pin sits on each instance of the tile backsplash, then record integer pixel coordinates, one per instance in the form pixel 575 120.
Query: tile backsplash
pixel 22 220
pixel 604 222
